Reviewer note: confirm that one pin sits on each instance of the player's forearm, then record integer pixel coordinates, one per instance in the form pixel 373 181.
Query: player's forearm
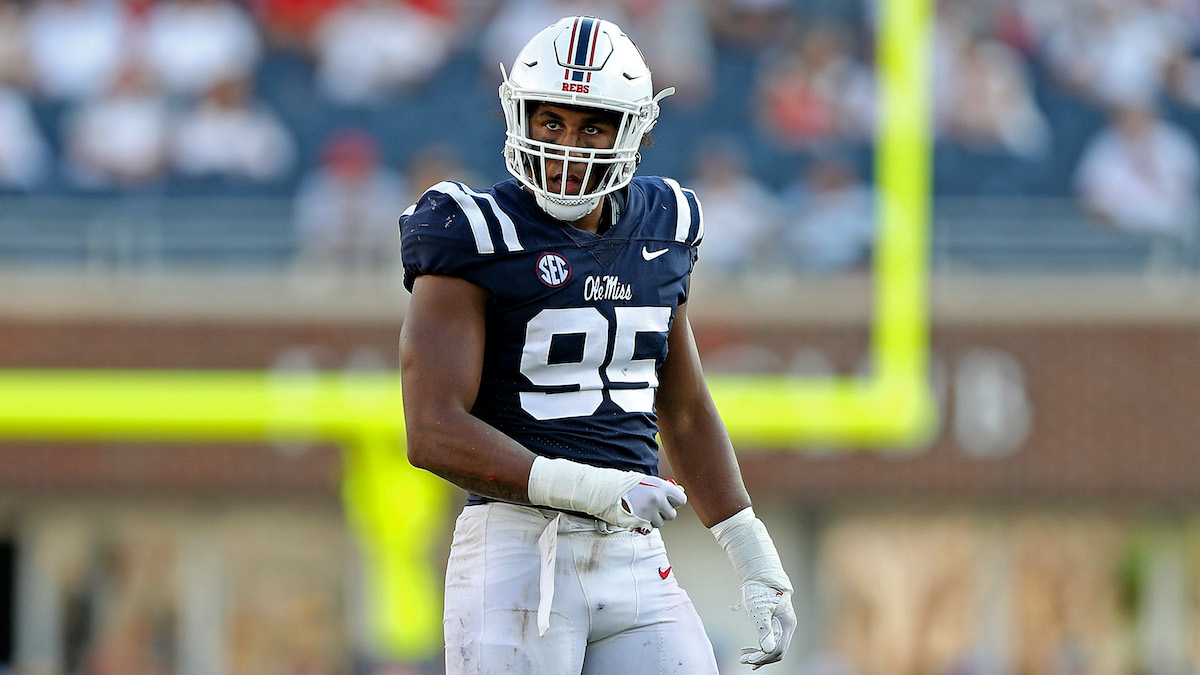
pixel 472 455
pixel 480 459
pixel 702 459
pixel 693 436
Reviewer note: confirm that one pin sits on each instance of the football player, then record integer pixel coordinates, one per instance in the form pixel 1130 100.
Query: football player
pixel 546 345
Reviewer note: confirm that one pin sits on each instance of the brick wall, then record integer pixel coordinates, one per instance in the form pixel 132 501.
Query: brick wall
pixel 1113 409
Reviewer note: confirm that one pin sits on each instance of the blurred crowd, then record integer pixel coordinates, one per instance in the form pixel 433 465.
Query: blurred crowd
pixel 351 107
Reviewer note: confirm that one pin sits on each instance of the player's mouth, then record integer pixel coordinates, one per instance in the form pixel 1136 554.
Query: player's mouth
pixel 573 184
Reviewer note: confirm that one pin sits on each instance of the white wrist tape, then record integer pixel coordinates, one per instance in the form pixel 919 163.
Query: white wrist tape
pixel 572 486
pixel 750 549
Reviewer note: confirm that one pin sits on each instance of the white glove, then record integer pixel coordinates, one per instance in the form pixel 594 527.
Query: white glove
pixel 626 499
pixel 654 500
pixel 773 616
pixel 766 589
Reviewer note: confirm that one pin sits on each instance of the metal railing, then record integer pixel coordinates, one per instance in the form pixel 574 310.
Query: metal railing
pixel 128 234
pixel 1046 235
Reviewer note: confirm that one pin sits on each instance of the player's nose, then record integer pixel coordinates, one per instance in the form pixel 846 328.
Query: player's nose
pixel 573 137
pixel 570 137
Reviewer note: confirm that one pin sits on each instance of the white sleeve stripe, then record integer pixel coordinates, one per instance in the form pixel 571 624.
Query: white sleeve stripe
pixel 507 228
pixel 479 228
pixel 462 196
pixel 699 217
pixel 683 214
pixel 409 211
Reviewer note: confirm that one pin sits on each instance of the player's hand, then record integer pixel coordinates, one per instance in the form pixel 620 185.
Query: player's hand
pixel 771 611
pixel 766 589
pixel 627 499
pixel 653 501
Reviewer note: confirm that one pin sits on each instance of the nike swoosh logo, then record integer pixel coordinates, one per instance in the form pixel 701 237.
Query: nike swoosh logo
pixel 664 573
pixel 651 255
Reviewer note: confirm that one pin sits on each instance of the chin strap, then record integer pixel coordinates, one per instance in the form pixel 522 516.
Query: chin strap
pixel 566 212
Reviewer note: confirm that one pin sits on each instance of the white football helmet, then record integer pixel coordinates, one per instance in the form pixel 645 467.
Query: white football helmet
pixel 586 62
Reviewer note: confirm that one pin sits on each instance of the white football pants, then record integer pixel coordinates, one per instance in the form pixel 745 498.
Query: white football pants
pixel 579 598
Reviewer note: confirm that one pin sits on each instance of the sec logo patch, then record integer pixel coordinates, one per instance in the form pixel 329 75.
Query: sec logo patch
pixel 553 269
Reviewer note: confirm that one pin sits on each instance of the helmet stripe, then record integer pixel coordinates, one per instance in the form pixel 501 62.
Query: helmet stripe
pixel 583 46
pixel 571 47
pixel 592 52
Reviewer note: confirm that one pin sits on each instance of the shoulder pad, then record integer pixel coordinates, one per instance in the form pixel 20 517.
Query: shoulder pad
pixel 448 203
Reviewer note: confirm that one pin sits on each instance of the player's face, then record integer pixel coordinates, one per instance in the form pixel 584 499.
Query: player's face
pixel 575 127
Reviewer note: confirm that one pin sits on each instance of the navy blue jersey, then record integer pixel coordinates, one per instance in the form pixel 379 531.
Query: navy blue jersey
pixel 577 322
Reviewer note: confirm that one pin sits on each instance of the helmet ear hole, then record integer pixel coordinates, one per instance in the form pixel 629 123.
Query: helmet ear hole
pixel 578 62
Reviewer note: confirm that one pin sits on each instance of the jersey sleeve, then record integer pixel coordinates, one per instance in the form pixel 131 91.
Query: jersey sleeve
pixel 696 227
pixel 689 217
pixel 445 233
